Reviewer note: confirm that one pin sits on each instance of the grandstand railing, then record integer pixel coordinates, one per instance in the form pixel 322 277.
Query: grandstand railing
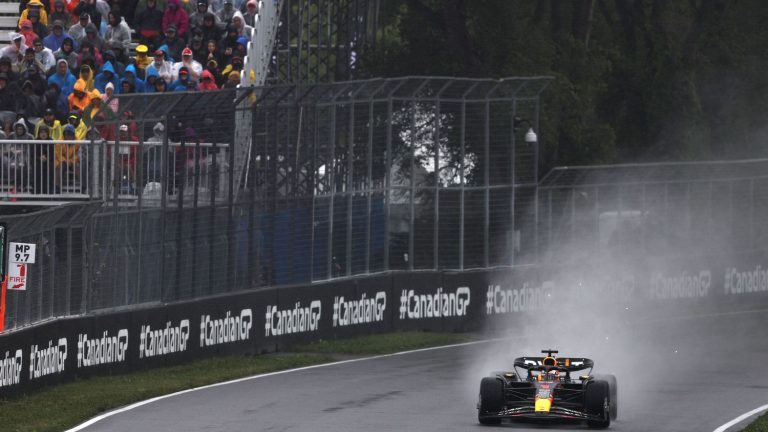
pixel 46 171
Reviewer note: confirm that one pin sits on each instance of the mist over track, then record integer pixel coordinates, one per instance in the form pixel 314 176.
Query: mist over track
pixel 679 374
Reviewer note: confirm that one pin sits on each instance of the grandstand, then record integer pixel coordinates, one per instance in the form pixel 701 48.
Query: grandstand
pixel 35 173
pixel 9 12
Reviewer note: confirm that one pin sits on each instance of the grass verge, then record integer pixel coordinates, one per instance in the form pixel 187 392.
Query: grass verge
pixel 66 405
pixel 759 425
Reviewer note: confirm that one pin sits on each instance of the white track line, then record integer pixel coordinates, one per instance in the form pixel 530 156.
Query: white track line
pixel 269 374
pixel 741 418
pixel 82 426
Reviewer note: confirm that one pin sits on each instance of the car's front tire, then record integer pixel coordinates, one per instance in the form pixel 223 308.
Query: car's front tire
pixel 491 400
pixel 611 380
pixel 597 402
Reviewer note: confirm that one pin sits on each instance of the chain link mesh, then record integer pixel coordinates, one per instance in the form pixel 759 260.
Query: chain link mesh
pixel 330 181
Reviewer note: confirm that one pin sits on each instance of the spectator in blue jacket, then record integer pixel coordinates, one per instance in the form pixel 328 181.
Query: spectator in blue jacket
pixel 54 40
pixel 106 76
pixel 131 77
pixel 63 77
pixel 149 83
pixel 182 83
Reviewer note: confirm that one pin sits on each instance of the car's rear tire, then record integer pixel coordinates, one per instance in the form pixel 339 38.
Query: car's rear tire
pixel 597 403
pixel 611 380
pixel 491 400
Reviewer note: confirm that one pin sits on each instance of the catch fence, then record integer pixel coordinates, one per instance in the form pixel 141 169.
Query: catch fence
pixel 346 179
pixel 331 181
pixel 662 210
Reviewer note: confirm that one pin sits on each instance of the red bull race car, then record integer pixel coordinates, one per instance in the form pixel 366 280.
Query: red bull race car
pixel 548 390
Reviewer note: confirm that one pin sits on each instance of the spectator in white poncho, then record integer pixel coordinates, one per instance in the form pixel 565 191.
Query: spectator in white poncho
pixel 118 31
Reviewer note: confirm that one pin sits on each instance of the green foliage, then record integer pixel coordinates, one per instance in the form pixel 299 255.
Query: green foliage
pixel 640 80
pixel 759 425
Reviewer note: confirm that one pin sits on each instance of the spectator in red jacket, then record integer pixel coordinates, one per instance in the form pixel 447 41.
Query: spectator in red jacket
pixel 207 82
pixel 176 16
pixel 27 32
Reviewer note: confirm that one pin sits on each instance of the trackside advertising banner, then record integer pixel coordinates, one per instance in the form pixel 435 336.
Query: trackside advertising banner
pixel 269 319
pixel 509 295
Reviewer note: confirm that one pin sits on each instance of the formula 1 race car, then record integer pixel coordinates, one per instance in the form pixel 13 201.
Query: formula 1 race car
pixel 547 391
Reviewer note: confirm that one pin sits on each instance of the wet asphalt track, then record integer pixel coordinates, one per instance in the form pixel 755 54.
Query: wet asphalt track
pixel 692 375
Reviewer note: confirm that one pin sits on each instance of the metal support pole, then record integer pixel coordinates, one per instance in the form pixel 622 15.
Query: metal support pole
pixel 596 217
pixel 412 208
pixel 350 188
pixel 462 182
pixel 164 174
pixel 254 264
pixel 644 226
pixel 332 179
pixel 573 212
pixel 513 192
pixel 487 183
pixel 388 184
pixel 436 199
pixel 180 220
pixel 194 289
pixel 549 219
pixel 214 176
pixel 115 201
pixel 688 210
pixel 313 190
pixel 752 214
pixel 536 182
pixel 87 245
pixel 231 215
pixel 731 226
pixel 139 190
pixel 52 281
pixel 68 298
pixel 39 296
pixel 369 188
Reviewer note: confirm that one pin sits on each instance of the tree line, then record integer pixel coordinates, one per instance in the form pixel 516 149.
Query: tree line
pixel 635 80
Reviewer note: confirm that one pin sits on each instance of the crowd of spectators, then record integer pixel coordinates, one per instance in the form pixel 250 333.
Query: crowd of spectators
pixel 68 57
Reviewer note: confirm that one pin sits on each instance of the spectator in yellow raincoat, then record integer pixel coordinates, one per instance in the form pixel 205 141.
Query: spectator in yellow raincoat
pixel 142 59
pixel 34 4
pixel 80 128
pixel 86 74
pixel 54 126
pixel 66 160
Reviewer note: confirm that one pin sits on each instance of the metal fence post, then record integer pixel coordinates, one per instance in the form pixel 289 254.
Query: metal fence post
pixel 388 183
pixel 487 183
pixel 351 188
pixel 412 188
pixel 332 181
pixel 164 190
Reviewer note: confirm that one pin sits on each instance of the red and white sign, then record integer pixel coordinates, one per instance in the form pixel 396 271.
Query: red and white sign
pixel 17 277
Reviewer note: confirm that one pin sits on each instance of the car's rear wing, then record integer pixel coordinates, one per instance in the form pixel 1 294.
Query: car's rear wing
pixel 570 364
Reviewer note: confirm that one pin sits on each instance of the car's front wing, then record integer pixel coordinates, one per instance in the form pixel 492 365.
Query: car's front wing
pixel 553 414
